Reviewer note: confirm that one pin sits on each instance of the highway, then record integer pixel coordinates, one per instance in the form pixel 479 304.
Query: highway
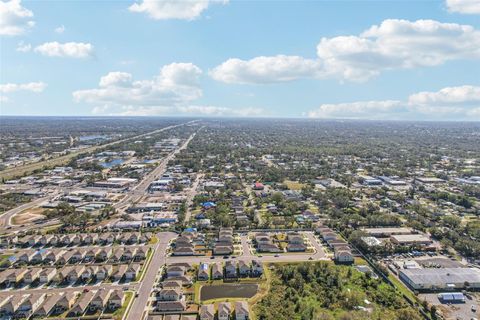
pixel 141 188
pixel 132 195
pixel 25 169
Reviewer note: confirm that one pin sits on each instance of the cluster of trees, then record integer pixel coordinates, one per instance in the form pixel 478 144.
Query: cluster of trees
pixel 11 200
pixel 325 291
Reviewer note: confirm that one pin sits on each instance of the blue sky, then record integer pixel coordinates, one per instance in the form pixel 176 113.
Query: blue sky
pixel 409 60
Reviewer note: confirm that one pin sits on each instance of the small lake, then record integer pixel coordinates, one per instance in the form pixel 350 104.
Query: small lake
pixel 245 290
pixel 112 163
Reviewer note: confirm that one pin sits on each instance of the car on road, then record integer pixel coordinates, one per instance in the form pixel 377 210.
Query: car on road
pixel 276 256
pixel 225 257
pixel 474 308
pixel 212 257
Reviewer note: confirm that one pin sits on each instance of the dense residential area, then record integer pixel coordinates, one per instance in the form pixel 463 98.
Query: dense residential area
pixel 242 219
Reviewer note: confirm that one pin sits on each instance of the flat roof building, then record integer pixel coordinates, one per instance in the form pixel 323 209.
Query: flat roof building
pixel 441 279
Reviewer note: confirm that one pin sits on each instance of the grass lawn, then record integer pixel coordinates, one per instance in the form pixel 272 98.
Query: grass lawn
pixel 118 314
pixel 401 287
pixel 293 185
pixel 153 240
pixel 145 265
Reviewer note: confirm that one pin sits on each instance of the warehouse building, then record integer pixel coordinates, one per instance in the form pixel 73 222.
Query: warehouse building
pixel 441 279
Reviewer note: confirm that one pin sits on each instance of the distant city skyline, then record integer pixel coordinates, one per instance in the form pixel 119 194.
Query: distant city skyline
pixel 375 60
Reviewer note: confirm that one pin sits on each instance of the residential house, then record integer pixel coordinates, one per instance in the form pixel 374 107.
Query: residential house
pixel 175 271
pixel 242 311
pixel 29 305
pixel 207 312
pixel 100 300
pixel 65 302
pixel 80 307
pixel 47 306
pixel 257 268
pixel 32 275
pixel 217 271
pixel 47 275
pixel 203 272
pixel 224 310
pixel 243 268
pixel 104 272
pixel 173 294
pixel 120 272
pixel 132 271
pixel 170 306
pixel 116 299
pixel 12 305
pixel 230 269
pixel 103 254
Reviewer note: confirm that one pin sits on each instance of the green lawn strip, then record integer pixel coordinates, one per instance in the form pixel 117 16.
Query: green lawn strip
pixel 119 313
pixel 145 265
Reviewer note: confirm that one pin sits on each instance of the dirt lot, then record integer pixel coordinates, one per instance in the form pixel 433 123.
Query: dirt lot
pixel 28 216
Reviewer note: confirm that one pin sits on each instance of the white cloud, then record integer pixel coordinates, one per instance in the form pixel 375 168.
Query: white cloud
pixel 358 110
pixel 394 44
pixel 6 88
pixel 450 103
pixel 173 9
pixel 464 6
pixel 69 49
pixel 31 86
pixel 190 110
pixel 449 96
pixel 60 29
pixel 266 69
pixel 24 47
pixel 177 84
pixel 14 19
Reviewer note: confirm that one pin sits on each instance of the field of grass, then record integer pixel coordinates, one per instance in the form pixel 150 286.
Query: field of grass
pixel 293 185
pixel 327 291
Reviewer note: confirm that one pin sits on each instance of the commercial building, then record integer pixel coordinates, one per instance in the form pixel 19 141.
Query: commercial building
pixel 441 279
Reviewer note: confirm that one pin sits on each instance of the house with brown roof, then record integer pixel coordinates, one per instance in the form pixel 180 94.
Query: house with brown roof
pixel 217 271
pixel 100 300
pixel 132 271
pixel 243 268
pixel 64 258
pixel 242 311
pixel 80 307
pixel 103 254
pixel 224 311
pixel 207 312
pixel 30 304
pixel 167 284
pixel 104 272
pixel 170 306
pixel 12 305
pixel 47 275
pixel 88 273
pixel 32 275
pixel 116 299
pixel 47 306
pixel 120 272
pixel 16 276
pixel 65 302
pixel 172 294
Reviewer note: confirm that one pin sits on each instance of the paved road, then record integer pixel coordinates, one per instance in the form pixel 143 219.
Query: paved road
pixel 190 195
pixel 5 219
pixel 21 170
pixel 146 286
pixel 318 255
pixel 139 190
pixel 134 194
